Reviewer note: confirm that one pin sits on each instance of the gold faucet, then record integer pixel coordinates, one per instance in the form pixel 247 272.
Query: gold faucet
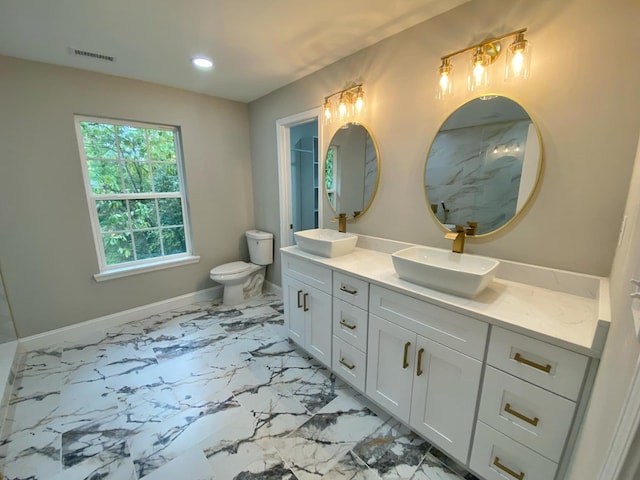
pixel 458 239
pixel 342 222
pixel 459 235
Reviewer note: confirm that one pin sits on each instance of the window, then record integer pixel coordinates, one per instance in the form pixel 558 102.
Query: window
pixel 135 189
pixel 331 175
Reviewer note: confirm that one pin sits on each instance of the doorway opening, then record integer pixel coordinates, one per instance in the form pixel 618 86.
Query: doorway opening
pixel 299 174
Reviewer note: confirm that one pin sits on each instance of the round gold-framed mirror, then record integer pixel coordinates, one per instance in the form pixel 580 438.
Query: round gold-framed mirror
pixel 483 165
pixel 351 170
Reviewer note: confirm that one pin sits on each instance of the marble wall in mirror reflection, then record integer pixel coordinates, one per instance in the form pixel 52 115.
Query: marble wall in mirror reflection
pixel 475 173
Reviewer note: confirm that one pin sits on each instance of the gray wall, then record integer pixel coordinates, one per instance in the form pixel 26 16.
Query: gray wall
pixel 621 355
pixel 46 246
pixel 581 108
pixel 7 330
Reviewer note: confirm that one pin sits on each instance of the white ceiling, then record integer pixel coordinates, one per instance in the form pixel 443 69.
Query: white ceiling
pixel 257 45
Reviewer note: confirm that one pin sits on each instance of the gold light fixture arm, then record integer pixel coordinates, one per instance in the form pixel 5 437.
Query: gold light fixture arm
pixel 483 44
pixel 352 90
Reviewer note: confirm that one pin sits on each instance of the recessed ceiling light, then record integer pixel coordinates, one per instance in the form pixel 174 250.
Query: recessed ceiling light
pixel 202 62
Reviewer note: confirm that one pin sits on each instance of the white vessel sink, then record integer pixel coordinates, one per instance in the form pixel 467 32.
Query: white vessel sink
pixel 326 242
pixel 461 274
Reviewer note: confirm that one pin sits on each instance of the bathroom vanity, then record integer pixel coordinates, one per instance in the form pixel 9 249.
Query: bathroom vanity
pixel 499 382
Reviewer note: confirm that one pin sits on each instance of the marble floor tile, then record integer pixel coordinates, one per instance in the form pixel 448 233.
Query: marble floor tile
pixel 350 467
pixel 191 465
pixel 432 469
pixel 394 452
pixel 158 444
pixel 201 392
pixel 39 372
pixel 318 445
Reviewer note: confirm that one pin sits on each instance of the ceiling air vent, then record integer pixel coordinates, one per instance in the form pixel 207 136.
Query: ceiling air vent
pixel 96 56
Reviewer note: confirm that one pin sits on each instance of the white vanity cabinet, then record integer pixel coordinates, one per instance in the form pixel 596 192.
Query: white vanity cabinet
pixel 527 408
pixel 350 325
pixel 506 405
pixel 306 291
pixel 415 368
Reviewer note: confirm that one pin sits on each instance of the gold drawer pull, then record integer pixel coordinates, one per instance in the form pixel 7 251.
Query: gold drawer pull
pixel 534 421
pixel 419 369
pixel 405 361
pixel 299 304
pixel 304 302
pixel 545 368
pixel 345 324
pixel 347 290
pixel 344 362
pixel 519 476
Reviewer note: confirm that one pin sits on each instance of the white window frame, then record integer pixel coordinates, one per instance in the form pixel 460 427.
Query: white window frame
pixel 108 272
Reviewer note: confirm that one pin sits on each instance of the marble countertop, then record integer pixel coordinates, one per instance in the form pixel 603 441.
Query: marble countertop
pixel 567 309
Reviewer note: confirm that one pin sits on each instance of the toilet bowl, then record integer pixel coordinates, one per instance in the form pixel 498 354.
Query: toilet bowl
pixel 242 280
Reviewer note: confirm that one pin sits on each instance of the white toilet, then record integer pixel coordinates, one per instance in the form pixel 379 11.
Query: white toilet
pixel 242 280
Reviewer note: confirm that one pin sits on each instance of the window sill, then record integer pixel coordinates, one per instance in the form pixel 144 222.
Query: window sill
pixel 147 267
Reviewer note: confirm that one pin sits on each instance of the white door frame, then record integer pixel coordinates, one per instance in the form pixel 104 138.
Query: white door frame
pixel 283 127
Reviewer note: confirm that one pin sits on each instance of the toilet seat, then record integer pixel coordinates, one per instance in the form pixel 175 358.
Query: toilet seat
pixel 230 268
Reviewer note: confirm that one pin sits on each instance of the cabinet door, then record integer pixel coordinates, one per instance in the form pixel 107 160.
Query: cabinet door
pixel 390 362
pixel 318 323
pixel 293 292
pixel 445 390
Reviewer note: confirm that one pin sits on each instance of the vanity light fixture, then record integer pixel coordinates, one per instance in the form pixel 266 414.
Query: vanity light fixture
pixel 484 55
pixel 344 105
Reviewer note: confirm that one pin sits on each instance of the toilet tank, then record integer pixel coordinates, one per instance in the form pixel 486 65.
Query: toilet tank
pixel 260 247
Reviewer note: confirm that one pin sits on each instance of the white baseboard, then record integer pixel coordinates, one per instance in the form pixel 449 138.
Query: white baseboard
pixel 272 288
pixel 43 340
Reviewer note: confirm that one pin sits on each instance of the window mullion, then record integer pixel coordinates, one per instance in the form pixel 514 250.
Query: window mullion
pixel 135 196
pixel 159 226
pixel 130 224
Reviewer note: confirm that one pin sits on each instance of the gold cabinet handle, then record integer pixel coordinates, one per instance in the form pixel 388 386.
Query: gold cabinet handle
pixel 519 358
pixel 345 324
pixel 304 302
pixel 344 362
pixel 519 476
pixel 532 421
pixel 347 290
pixel 419 369
pixel 405 361
pixel 299 304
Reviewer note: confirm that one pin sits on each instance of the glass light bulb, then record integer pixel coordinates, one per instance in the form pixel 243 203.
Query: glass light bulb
pixel 359 104
pixel 444 81
pixel 342 108
pixel 478 72
pixel 517 62
pixel 518 59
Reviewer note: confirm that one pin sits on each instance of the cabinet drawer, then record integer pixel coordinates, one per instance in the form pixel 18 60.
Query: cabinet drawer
pixel 310 273
pixel 351 289
pixel 349 363
pixel 459 332
pixel 534 417
pixel 350 324
pixel 543 364
pixel 497 457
